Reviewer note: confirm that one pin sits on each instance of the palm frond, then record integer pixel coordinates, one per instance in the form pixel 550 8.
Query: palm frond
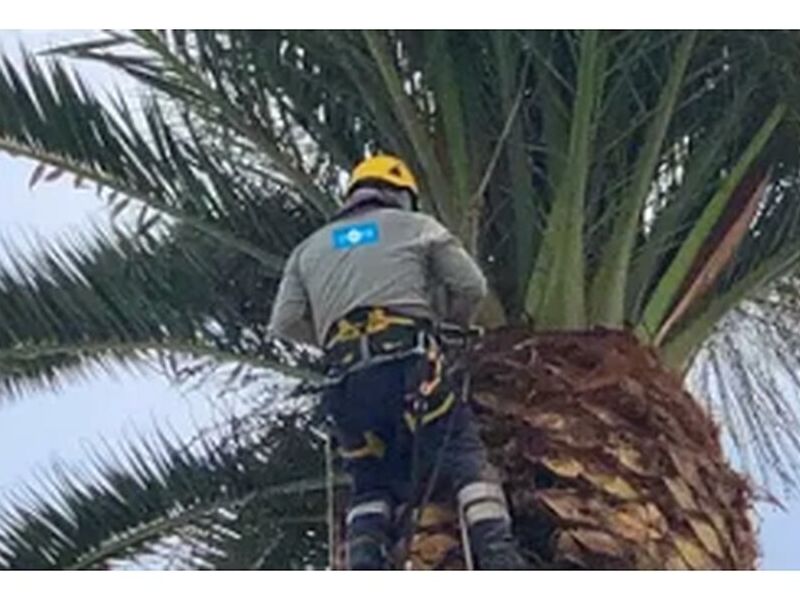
pixel 196 71
pixel 105 298
pixel 748 375
pixel 209 496
pixel 147 157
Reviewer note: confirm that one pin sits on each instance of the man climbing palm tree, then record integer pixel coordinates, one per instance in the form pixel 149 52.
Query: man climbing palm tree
pixel 363 288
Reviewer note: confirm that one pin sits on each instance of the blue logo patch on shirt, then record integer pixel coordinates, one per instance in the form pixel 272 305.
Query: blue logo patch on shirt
pixel 357 234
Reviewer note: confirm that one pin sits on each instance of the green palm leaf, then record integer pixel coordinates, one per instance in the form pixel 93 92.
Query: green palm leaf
pixel 133 503
pixel 104 298
pixel 150 159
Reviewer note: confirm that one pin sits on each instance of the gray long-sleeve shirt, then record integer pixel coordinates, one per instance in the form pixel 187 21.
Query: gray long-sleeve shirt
pixel 376 257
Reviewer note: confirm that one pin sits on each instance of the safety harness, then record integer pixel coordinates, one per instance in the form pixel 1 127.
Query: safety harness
pixel 370 336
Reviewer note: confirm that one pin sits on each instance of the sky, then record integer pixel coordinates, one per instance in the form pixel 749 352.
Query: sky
pixel 41 427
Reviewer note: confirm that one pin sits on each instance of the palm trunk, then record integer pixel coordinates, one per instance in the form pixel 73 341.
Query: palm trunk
pixel 609 463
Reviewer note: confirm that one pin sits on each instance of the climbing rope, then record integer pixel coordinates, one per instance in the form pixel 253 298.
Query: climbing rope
pixel 331 501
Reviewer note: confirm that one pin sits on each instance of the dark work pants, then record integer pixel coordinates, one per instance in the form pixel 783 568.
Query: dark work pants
pixel 370 405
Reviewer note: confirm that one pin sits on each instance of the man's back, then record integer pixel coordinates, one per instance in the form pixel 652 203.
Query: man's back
pixel 378 253
pixel 375 257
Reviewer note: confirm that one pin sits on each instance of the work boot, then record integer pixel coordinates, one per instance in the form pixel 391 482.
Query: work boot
pixel 368 536
pixel 493 546
pixel 368 553
pixel 485 514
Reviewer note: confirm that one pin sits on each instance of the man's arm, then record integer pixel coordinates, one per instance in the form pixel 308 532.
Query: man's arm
pixel 453 267
pixel 291 312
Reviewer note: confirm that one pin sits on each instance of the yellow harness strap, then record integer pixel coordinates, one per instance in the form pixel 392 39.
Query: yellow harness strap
pixel 345 332
pixel 439 411
pixel 374 446
pixel 378 320
pixel 427 387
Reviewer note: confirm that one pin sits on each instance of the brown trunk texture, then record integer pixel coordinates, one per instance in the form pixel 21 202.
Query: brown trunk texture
pixel 608 462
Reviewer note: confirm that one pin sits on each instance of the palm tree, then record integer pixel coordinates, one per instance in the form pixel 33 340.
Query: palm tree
pixel 631 195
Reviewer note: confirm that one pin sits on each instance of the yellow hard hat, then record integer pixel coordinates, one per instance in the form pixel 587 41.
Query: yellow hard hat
pixel 386 168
